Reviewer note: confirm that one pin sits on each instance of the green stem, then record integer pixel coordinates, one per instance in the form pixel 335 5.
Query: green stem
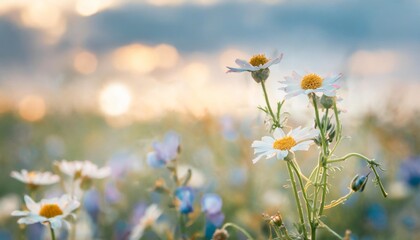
pixel 52 232
pixel 302 186
pixel 298 204
pixel 275 121
pixel 305 197
pixel 337 121
pixel 182 226
pixel 372 165
pixel 226 225
pixel 323 225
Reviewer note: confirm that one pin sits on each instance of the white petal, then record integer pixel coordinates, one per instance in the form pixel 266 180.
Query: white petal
pixel 55 223
pixel 255 160
pixel 304 146
pixel 282 154
pixel 273 61
pixel 31 205
pixel 19 213
pixel 278 133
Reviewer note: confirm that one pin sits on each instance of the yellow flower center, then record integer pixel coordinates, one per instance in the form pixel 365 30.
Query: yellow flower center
pixel 285 143
pixel 258 60
pixel 31 175
pixel 50 210
pixel 311 81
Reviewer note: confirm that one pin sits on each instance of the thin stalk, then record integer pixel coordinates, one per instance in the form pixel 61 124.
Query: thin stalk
pixel 302 187
pixel 372 165
pixel 226 225
pixel 323 225
pixel 182 228
pixel 275 122
pixel 298 204
pixel 52 232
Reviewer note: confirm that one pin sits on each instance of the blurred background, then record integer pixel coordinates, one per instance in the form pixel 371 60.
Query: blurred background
pixel 102 79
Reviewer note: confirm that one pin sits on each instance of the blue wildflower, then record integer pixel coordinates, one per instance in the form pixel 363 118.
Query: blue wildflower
pixel 211 205
pixel 410 171
pixel 164 152
pixel 185 197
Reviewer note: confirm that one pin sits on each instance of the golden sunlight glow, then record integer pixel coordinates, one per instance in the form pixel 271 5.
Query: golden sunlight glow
pixel 167 54
pixel 136 58
pixel 115 99
pixel 90 7
pixel 370 63
pixel 228 57
pixel 196 74
pixel 39 14
pixel 32 108
pixel 165 2
pixel 85 62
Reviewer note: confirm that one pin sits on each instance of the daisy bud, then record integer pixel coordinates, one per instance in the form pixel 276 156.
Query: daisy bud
pixel 327 102
pixel 220 234
pixel 359 182
pixel 260 75
pixel 276 220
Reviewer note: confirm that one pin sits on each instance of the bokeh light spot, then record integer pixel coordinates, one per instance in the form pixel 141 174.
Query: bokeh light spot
pixel 85 62
pixel 32 108
pixel 115 99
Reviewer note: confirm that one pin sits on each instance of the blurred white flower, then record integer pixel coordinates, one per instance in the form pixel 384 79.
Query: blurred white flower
pixel 83 169
pixel 256 63
pixel 34 178
pixel 52 211
pixel 150 216
pixel 297 139
pixel 310 83
pixel 8 203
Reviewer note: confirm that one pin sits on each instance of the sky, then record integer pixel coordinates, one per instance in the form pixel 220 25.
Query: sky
pixel 55 50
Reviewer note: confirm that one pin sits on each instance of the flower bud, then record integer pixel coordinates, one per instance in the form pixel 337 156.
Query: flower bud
pixel 359 183
pixel 276 220
pixel 220 234
pixel 327 102
pixel 260 75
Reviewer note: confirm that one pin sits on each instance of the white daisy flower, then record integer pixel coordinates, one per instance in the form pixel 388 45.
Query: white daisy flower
pixel 52 211
pixel 34 178
pixel 83 169
pixel 256 63
pixel 298 139
pixel 310 83
pixel 150 216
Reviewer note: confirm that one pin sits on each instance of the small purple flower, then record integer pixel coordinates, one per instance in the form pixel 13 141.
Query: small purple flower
pixel 410 171
pixel 185 197
pixel 164 152
pixel 211 205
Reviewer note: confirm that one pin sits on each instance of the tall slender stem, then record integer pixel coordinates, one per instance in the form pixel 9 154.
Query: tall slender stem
pixel 267 101
pixel 226 225
pixel 52 232
pixel 296 194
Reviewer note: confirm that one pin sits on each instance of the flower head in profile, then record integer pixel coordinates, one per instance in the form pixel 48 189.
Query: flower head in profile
pixel 211 205
pixel 35 179
pixel 310 83
pixel 164 152
pixel 258 65
pixel 298 139
pixel 52 211
pixel 185 199
pixel 83 169
pixel 150 216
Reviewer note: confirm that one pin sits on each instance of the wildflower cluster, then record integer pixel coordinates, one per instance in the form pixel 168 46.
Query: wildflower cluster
pixel 57 211
pixel 310 192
